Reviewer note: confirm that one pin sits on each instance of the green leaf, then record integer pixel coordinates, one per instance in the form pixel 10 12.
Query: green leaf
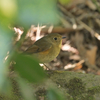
pixel 28 68
pixel 64 1
pixel 6 86
pixel 8 11
pixel 26 90
pixel 5 46
pixel 37 12
pixel 53 94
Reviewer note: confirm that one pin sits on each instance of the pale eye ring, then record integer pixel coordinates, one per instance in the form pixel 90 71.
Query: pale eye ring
pixel 55 38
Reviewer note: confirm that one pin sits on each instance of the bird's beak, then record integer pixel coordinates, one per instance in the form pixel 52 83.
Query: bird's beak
pixel 63 37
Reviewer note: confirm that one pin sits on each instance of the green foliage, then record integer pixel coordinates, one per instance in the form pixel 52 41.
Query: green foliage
pixel 8 11
pixel 28 67
pixel 25 89
pixel 37 12
pixel 5 42
pixel 6 87
pixel 54 95
pixel 64 1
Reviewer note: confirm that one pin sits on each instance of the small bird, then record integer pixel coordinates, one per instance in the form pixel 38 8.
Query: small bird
pixel 47 48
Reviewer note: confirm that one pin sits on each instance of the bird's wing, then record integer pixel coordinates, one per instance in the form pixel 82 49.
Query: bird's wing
pixel 38 47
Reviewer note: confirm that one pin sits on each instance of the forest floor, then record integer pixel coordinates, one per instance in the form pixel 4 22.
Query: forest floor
pixel 80 23
pixel 80 51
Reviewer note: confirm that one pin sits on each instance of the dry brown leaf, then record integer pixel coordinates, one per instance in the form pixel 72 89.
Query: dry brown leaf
pixel 79 65
pixel 75 57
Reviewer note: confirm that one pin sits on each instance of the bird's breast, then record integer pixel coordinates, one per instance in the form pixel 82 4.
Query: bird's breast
pixel 48 55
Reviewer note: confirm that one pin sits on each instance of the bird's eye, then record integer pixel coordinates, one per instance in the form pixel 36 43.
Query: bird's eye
pixel 55 38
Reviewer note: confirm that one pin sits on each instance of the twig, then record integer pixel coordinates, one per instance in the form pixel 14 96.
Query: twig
pixel 93 33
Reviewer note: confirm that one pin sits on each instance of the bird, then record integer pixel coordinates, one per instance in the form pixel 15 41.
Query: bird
pixel 46 48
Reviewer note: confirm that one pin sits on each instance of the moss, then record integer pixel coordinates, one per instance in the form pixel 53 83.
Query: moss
pixel 79 86
pixel 94 90
pixel 41 92
pixel 61 82
pixel 74 86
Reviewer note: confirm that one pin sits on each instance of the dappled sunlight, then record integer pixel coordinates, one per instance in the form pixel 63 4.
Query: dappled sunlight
pixel 19 32
pixel 74 26
pixel 76 66
pixel 7 56
pixel 69 48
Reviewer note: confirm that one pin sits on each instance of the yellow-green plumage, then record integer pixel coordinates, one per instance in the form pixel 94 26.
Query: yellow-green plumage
pixel 47 48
